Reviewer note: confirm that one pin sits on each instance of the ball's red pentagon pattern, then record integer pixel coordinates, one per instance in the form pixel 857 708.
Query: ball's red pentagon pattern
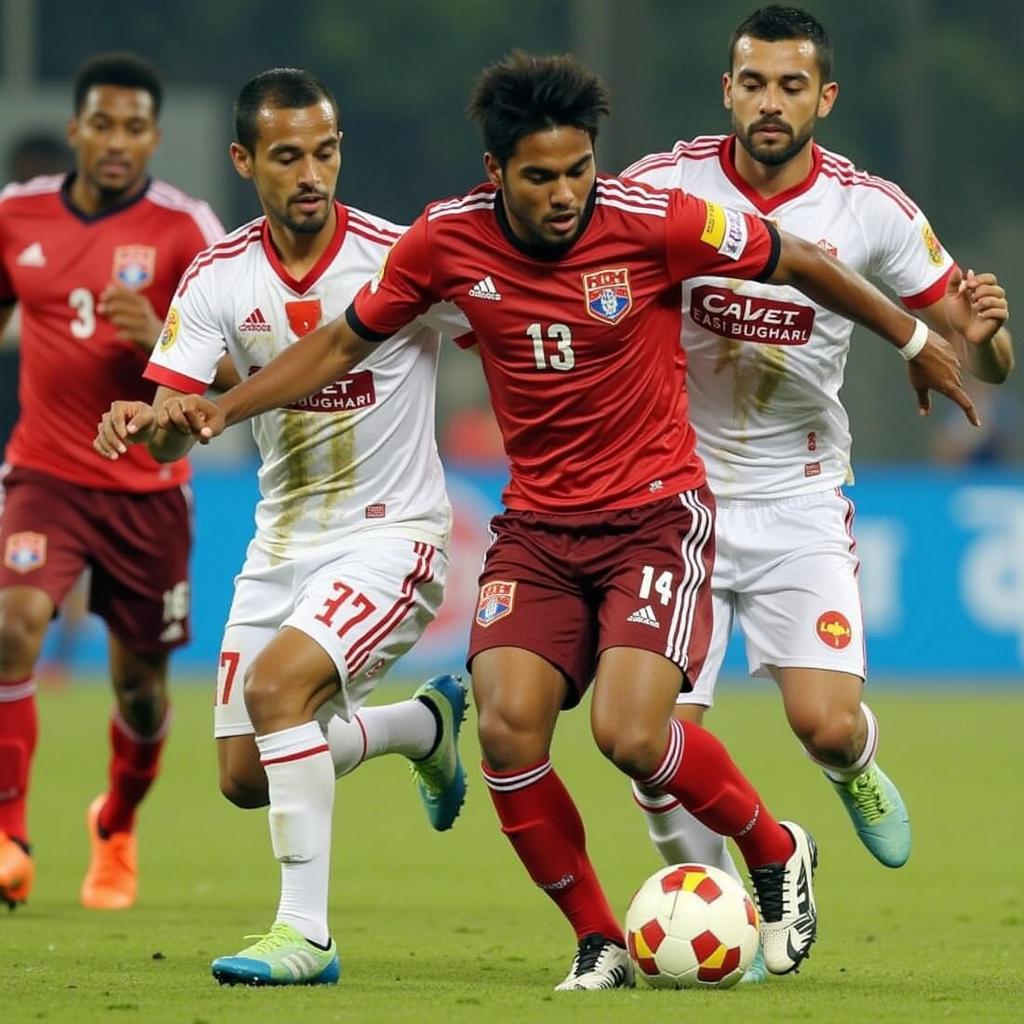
pixel 691 925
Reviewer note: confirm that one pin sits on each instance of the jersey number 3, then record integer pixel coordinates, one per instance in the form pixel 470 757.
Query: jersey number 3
pixel 562 358
pixel 84 323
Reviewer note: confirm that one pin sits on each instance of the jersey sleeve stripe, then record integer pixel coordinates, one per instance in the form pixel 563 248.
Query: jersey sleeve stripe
pixel 852 179
pixel 618 204
pixel 228 249
pixel 173 379
pixel 932 294
pixel 393 234
pixel 470 205
pixel 702 148
pixel 171 198
pixel 372 236
pixel 32 187
pixel 634 192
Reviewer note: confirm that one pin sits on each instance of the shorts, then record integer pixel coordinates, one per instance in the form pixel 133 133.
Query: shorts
pixel 137 546
pixel 365 604
pixel 786 572
pixel 568 587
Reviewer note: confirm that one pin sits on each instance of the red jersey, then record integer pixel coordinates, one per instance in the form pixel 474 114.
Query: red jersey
pixel 580 348
pixel 56 261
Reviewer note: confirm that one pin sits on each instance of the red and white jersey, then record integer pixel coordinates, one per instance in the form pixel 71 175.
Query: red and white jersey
pixel 581 349
pixel 359 454
pixel 56 262
pixel 765 363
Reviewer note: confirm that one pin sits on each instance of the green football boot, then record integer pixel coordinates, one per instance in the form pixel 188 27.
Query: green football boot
pixel 879 815
pixel 284 956
pixel 440 777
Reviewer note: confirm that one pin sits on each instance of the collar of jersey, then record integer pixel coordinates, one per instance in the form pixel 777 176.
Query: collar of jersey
pixel 91 218
pixel 546 253
pixel 315 272
pixel 765 204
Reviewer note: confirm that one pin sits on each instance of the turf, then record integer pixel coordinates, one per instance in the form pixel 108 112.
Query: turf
pixel 446 927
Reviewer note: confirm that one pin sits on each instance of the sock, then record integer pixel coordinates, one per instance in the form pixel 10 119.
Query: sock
pixel 134 763
pixel 19 728
pixel 864 760
pixel 407 727
pixel 698 771
pixel 678 836
pixel 300 778
pixel 546 831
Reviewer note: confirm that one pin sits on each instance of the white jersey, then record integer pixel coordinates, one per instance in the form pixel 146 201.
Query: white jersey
pixel 359 454
pixel 765 363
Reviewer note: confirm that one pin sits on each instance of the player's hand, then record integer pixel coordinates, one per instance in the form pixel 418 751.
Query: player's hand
pixel 192 415
pixel 125 423
pixel 132 314
pixel 936 368
pixel 976 305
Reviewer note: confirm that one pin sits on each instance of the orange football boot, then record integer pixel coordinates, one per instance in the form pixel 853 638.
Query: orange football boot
pixel 112 878
pixel 16 872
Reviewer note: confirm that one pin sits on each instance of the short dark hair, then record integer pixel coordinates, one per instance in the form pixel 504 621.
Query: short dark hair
pixel 128 70
pixel 522 94
pixel 776 22
pixel 281 88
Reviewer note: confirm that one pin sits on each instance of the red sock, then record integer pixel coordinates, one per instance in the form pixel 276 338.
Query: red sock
pixel 19 727
pixel 134 763
pixel 698 771
pixel 539 817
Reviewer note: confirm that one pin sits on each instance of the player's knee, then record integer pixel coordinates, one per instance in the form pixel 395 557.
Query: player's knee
pixel 635 751
pixel 833 736
pixel 507 745
pixel 21 638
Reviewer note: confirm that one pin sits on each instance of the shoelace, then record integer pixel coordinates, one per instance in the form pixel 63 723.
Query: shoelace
pixel 869 797
pixel 268 943
pixel 770 891
pixel 588 954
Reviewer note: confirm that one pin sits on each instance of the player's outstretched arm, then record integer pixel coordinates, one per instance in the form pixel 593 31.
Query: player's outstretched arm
pixel 834 285
pixel 315 360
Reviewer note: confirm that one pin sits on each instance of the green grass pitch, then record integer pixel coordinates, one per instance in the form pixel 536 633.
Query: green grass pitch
pixel 447 927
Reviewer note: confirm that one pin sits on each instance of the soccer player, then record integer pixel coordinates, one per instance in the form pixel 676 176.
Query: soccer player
pixel 93 258
pixel 348 564
pixel 765 365
pixel 600 567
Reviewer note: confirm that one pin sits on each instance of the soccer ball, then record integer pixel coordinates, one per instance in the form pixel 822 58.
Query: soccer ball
pixel 691 926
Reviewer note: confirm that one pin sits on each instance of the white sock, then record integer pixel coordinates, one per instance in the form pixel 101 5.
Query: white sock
pixel 678 836
pixel 407 727
pixel 864 760
pixel 300 778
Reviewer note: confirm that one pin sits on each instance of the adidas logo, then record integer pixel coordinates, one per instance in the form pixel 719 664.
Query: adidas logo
pixel 484 289
pixel 645 616
pixel 255 323
pixel 31 256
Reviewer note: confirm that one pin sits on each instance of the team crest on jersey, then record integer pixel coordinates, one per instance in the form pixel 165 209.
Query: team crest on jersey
pixel 169 335
pixel 833 630
pixel 496 601
pixel 25 551
pixel 134 265
pixel 932 244
pixel 607 294
pixel 303 315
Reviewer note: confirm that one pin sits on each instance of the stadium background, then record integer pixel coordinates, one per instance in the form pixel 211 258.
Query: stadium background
pixel 932 97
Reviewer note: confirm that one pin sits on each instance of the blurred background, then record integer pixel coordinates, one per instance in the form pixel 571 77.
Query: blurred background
pixel 932 97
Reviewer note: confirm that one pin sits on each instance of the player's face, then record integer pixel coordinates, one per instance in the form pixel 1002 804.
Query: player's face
pixel 545 184
pixel 295 165
pixel 776 96
pixel 114 134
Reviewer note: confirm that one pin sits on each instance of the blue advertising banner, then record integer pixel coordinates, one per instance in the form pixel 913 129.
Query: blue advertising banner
pixel 942 573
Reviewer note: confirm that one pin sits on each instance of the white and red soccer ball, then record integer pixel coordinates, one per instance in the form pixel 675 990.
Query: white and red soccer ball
pixel 691 926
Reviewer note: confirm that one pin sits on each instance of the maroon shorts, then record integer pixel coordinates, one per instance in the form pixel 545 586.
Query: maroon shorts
pixel 137 546
pixel 568 587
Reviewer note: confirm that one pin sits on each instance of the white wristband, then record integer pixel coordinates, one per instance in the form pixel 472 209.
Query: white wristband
pixel 918 340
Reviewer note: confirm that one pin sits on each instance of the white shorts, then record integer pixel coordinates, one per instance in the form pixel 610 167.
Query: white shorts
pixel 365 604
pixel 786 573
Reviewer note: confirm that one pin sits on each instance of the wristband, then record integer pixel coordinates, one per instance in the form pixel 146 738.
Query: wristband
pixel 917 341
